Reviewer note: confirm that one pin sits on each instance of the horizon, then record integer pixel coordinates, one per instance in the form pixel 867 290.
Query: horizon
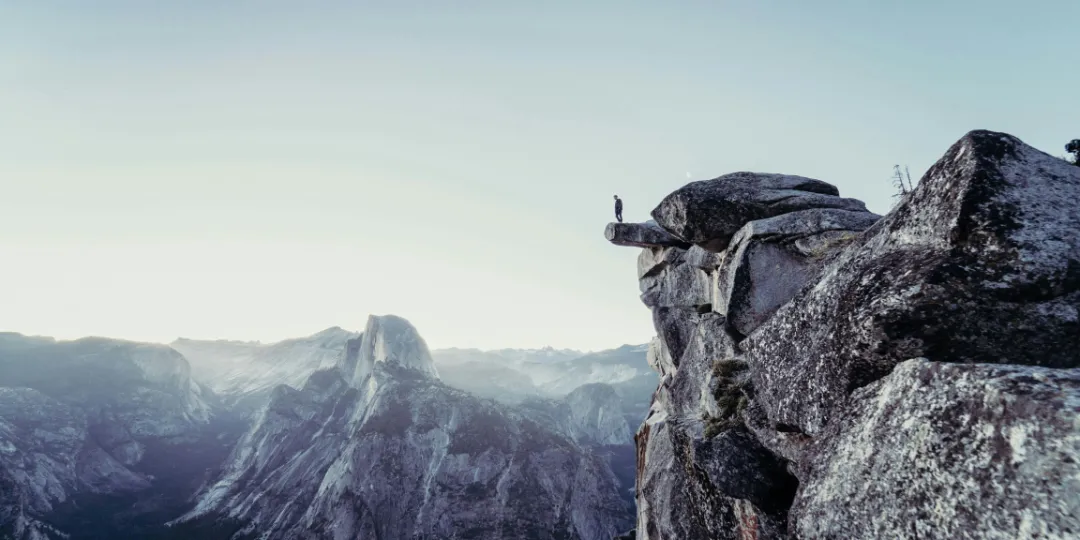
pixel 61 339
pixel 260 169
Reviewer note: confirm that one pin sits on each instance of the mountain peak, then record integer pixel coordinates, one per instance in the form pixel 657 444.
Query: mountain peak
pixel 389 340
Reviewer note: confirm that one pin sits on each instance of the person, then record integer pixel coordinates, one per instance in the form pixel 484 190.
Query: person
pixel 618 208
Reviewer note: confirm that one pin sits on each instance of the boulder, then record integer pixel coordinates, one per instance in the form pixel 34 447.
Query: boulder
pixel 980 263
pixel 647 234
pixel 709 212
pixel 950 451
pixel 769 260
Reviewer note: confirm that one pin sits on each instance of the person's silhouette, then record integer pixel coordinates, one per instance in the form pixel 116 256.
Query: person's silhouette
pixel 618 208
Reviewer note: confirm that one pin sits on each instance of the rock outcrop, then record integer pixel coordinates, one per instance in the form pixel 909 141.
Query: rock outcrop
pixel 640 235
pixel 709 212
pixel 790 405
pixel 378 447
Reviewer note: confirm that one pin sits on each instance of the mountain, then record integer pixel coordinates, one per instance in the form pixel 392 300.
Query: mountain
pixel 513 376
pixel 379 447
pixel 98 423
pixel 247 371
pixel 490 380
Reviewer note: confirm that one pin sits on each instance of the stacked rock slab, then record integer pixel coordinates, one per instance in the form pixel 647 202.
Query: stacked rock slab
pixel 783 312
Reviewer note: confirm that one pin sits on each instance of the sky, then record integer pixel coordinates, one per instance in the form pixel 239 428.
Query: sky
pixel 260 170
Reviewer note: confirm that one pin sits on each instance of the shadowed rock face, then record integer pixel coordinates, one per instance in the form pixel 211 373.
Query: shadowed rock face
pixel 379 447
pixel 782 412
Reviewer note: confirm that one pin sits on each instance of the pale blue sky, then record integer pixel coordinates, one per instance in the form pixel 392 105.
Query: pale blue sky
pixel 265 169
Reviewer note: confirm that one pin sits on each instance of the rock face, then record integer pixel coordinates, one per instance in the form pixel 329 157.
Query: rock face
pixel 919 450
pixel 88 421
pixel 244 373
pixel 788 405
pixel 769 260
pixel 378 447
pixel 979 264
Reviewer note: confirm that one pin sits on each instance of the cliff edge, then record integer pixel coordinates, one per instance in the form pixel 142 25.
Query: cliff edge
pixel 830 373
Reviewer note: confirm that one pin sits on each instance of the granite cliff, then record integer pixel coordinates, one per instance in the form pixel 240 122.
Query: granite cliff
pixel 830 373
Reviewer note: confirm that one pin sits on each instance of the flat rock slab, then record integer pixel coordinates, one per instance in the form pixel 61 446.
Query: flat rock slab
pixel 980 264
pixel 950 451
pixel 647 234
pixel 709 212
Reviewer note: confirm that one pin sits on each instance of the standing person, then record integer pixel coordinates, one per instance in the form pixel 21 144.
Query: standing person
pixel 618 208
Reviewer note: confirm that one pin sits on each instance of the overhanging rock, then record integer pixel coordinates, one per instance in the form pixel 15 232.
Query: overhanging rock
pixel 647 234
pixel 710 212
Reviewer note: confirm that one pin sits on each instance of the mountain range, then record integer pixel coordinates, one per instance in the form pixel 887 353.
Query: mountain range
pixel 332 435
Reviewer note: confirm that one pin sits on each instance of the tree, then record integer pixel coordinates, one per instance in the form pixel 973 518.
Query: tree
pixel 902 180
pixel 1074 148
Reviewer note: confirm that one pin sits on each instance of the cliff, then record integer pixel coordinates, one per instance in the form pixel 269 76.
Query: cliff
pixel 830 373
pixel 97 423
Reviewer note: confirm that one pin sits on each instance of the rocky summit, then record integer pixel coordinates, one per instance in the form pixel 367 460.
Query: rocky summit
pixel 828 373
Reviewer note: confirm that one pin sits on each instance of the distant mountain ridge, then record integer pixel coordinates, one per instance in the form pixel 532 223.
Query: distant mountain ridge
pixel 238 370
pixel 94 421
pixel 104 438
pixel 378 447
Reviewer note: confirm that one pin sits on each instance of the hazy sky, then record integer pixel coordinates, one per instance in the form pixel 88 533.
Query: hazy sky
pixel 266 169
